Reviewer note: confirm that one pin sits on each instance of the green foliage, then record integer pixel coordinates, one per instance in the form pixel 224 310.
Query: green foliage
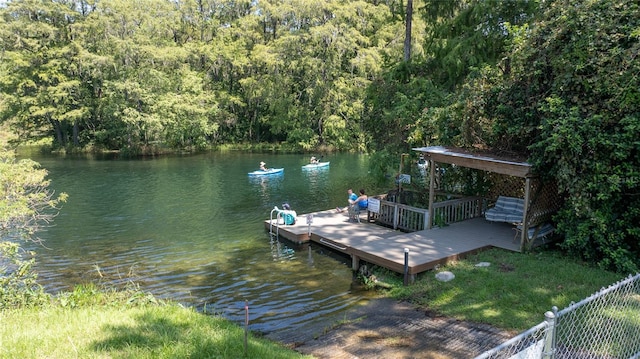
pixel 467 34
pixel 25 206
pixel 438 98
pixel 556 83
pixel 587 136
pixel 146 75
pixel 464 181
pixel 378 278
pixel 91 294
pixel 384 166
pixel 566 94
pixel 25 202
pixel 595 162
pixel 18 281
pixel 397 104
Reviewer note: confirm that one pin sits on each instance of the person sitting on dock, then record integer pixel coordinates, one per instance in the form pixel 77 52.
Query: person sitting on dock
pixel 262 166
pixel 352 197
pixel 362 202
pixel 359 204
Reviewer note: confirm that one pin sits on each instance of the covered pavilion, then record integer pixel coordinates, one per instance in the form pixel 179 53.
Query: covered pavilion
pixel 509 177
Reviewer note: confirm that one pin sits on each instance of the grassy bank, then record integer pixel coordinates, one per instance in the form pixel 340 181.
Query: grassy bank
pixel 512 293
pixel 120 331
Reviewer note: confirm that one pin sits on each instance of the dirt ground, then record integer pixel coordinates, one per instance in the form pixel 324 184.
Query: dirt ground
pixel 386 328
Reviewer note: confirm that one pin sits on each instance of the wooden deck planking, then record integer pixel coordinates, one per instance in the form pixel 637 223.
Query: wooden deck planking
pixel 385 247
pixel 331 224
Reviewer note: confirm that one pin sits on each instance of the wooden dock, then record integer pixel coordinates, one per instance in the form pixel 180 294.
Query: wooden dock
pixel 385 247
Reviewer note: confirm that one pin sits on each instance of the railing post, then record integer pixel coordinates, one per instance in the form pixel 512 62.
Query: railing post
pixel 426 220
pixel 549 350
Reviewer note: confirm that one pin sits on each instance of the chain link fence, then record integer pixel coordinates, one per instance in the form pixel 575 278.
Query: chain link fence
pixel 605 325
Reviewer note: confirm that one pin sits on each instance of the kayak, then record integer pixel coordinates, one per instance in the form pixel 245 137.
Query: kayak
pixel 315 165
pixel 270 171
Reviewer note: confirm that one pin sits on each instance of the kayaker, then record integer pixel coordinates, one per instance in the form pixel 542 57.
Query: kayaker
pixel 262 166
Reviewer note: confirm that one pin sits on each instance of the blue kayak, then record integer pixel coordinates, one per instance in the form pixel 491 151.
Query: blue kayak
pixel 311 166
pixel 270 171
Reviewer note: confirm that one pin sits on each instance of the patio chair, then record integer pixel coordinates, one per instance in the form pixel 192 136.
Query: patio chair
pixel 354 213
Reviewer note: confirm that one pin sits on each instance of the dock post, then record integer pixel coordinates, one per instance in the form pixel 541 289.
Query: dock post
pixel 406 266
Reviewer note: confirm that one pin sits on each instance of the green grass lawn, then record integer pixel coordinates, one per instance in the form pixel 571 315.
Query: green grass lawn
pixel 512 293
pixel 147 331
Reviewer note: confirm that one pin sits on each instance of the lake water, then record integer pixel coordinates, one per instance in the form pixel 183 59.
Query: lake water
pixel 189 228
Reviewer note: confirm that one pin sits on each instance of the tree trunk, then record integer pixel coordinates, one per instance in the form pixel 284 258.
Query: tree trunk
pixel 407 34
pixel 58 131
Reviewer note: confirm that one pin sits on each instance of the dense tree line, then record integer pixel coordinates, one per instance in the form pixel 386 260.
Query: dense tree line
pixel 130 75
pixel 556 81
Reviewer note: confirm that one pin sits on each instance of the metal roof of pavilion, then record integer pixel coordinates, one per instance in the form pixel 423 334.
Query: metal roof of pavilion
pixel 478 160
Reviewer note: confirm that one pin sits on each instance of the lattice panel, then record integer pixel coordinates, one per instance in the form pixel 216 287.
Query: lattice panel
pixel 545 201
pixel 504 185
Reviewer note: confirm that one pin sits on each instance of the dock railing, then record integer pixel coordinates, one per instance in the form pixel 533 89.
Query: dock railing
pixel 410 219
pixel 456 210
pixel 400 216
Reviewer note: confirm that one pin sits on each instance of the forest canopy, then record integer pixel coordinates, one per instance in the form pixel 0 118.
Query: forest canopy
pixel 555 81
pixel 126 75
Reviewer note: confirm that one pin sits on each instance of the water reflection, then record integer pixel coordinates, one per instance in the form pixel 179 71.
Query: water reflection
pixel 317 179
pixel 265 186
pixel 310 261
pixel 280 251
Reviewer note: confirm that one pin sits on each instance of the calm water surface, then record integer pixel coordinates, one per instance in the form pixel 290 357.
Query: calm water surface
pixel 189 228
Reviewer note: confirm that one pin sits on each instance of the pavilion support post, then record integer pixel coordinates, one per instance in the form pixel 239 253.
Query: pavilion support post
pixel 432 190
pixel 396 216
pixel 525 228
